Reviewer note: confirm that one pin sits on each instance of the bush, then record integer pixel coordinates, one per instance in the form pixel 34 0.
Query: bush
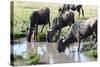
pixel 35 59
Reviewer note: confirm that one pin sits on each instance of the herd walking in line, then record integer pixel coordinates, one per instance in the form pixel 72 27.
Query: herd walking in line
pixel 65 17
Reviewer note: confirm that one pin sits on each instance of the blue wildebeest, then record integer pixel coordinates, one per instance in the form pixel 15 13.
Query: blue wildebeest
pixel 40 17
pixel 62 20
pixel 73 7
pixel 77 32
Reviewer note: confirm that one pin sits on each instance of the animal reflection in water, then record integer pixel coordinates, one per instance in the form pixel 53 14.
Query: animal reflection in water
pixel 40 17
pixel 77 32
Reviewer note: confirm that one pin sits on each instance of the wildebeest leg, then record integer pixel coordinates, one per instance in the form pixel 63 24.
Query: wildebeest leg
pixel 59 34
pixel 32 26
pixel 73 47
pixel 29 35
pixel 78 13
pixel 69 49
pixel 49 21
pixel 49 24
pixel 36 33
pixel 95 36
pixel 79 40
pixel 42 27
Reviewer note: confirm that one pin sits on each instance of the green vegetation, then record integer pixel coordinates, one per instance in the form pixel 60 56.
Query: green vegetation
pixel 88 46
pixel 42 36
pixel 16 57
pixel 91 53
pixel 23 10
pixel 35 59
pixel 89 49
pixel 16 36
pixel 21 15
pixel 19 60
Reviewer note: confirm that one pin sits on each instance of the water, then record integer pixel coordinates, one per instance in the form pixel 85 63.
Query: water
pixel 49 54
pixel 19 48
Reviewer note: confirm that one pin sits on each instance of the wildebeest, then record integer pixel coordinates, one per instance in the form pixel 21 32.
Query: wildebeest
pixel 73 7
pixel 59 22
pixel 40 17
pixel 77 32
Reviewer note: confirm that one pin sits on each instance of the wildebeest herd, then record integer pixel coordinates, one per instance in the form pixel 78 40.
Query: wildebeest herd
pixel 65 17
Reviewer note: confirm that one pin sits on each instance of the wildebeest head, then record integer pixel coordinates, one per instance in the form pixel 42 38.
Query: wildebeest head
pixel 61 11
pixel 61 45
pixel 57 24
pixel 49 36
pixel 67 40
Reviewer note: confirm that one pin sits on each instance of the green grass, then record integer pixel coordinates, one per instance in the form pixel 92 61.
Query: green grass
pixel 18 60
pixel 23 10
pixel 91 53
pixel 35 59
pixel 89 50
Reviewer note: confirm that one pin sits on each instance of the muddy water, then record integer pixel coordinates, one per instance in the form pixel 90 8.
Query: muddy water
pixel 49 54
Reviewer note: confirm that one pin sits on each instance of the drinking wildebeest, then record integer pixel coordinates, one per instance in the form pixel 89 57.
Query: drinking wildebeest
pixel 59 22
pixel 40 17
pixel 77 32
pixel 73 7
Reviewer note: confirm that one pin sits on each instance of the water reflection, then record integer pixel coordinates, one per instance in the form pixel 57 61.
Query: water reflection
pixel 30 49
pixel 19 48
pixel 51 61
pixel 40 51
pixel 49 54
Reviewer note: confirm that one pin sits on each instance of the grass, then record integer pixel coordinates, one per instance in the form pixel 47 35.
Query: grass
pixel 23 10
pixel 91 53
pixel 18 60
pixel 35 59
pixel 89 49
